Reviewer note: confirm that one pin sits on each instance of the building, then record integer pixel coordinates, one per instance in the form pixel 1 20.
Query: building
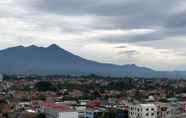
pixel 143 111
pixel 93 113
pixel 122 114
pixel 53 110
pixel 23 105
pixel 1 77
pixel 165 111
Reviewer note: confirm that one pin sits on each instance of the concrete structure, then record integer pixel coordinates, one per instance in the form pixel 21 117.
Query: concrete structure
pixel 165 111
pixel 58 111
pixel 1 77
pixel 23 105
pixel 93 114
pixel 122 114
pixel 143 111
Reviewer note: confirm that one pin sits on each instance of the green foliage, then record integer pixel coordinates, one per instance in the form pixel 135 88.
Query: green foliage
pixel 108 115
pixel 41 97
pixel 27 88
pixel 41 115
pixel 45 86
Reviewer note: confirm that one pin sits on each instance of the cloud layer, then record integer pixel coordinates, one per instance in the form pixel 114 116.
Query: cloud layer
pixel 148 33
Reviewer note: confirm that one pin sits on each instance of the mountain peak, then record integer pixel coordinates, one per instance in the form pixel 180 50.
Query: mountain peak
pixel 54 46
pixel 20 46
pixel 32 46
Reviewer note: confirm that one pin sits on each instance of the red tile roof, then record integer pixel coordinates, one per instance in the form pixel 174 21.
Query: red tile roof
pixel 58 107
pixel 94 103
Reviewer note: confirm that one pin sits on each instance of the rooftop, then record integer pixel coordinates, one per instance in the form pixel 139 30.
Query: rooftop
pixel 58 107
pixel 148 105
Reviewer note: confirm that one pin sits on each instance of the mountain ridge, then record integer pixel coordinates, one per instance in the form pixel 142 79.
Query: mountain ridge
pixel 56 60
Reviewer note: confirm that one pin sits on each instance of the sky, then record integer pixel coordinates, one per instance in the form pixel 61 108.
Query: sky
pixel 150 33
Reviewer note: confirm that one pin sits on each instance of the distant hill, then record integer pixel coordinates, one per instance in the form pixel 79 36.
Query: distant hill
pixel 55 60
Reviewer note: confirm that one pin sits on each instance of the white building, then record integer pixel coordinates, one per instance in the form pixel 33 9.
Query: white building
pixel 1 77
pixel 165 111
pixel 52 110
pixel 23 105
pixel 143 111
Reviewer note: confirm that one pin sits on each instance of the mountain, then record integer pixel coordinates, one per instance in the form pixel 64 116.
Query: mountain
pixel 55 60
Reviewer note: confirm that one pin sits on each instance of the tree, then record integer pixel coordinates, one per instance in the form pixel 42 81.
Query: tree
pixel 41 115
pixel 45 86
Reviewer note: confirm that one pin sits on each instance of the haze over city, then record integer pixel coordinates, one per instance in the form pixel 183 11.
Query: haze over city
pixel 147 33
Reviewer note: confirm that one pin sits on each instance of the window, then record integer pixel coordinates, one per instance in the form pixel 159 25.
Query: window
pixel 147 114
pixel 168 112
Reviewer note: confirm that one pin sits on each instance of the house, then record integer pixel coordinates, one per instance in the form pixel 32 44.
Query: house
pixel 94 109
pixel 94 104
pixel 53 110
pixel 143 111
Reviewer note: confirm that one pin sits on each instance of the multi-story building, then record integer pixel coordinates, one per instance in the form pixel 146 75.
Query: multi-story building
pixel 143 111
pixel 164 111
pixel 52 110
pixel 1 77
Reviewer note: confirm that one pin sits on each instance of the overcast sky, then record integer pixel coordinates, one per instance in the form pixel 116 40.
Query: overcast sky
pixel 149 33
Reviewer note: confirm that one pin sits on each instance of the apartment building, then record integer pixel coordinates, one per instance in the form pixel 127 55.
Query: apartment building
pixel 143 111
pixel 164 111
pixel 1 77
pixel 58 111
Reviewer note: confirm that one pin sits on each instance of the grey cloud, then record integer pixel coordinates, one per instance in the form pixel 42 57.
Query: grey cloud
pixel 178 53
pixel 129 53
pixel 122 14
pixel 125 12
pixel 122 47
pixel 176 20
pixel 117 14
pixel 181 54
pixel 160 34
pixel 133 38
